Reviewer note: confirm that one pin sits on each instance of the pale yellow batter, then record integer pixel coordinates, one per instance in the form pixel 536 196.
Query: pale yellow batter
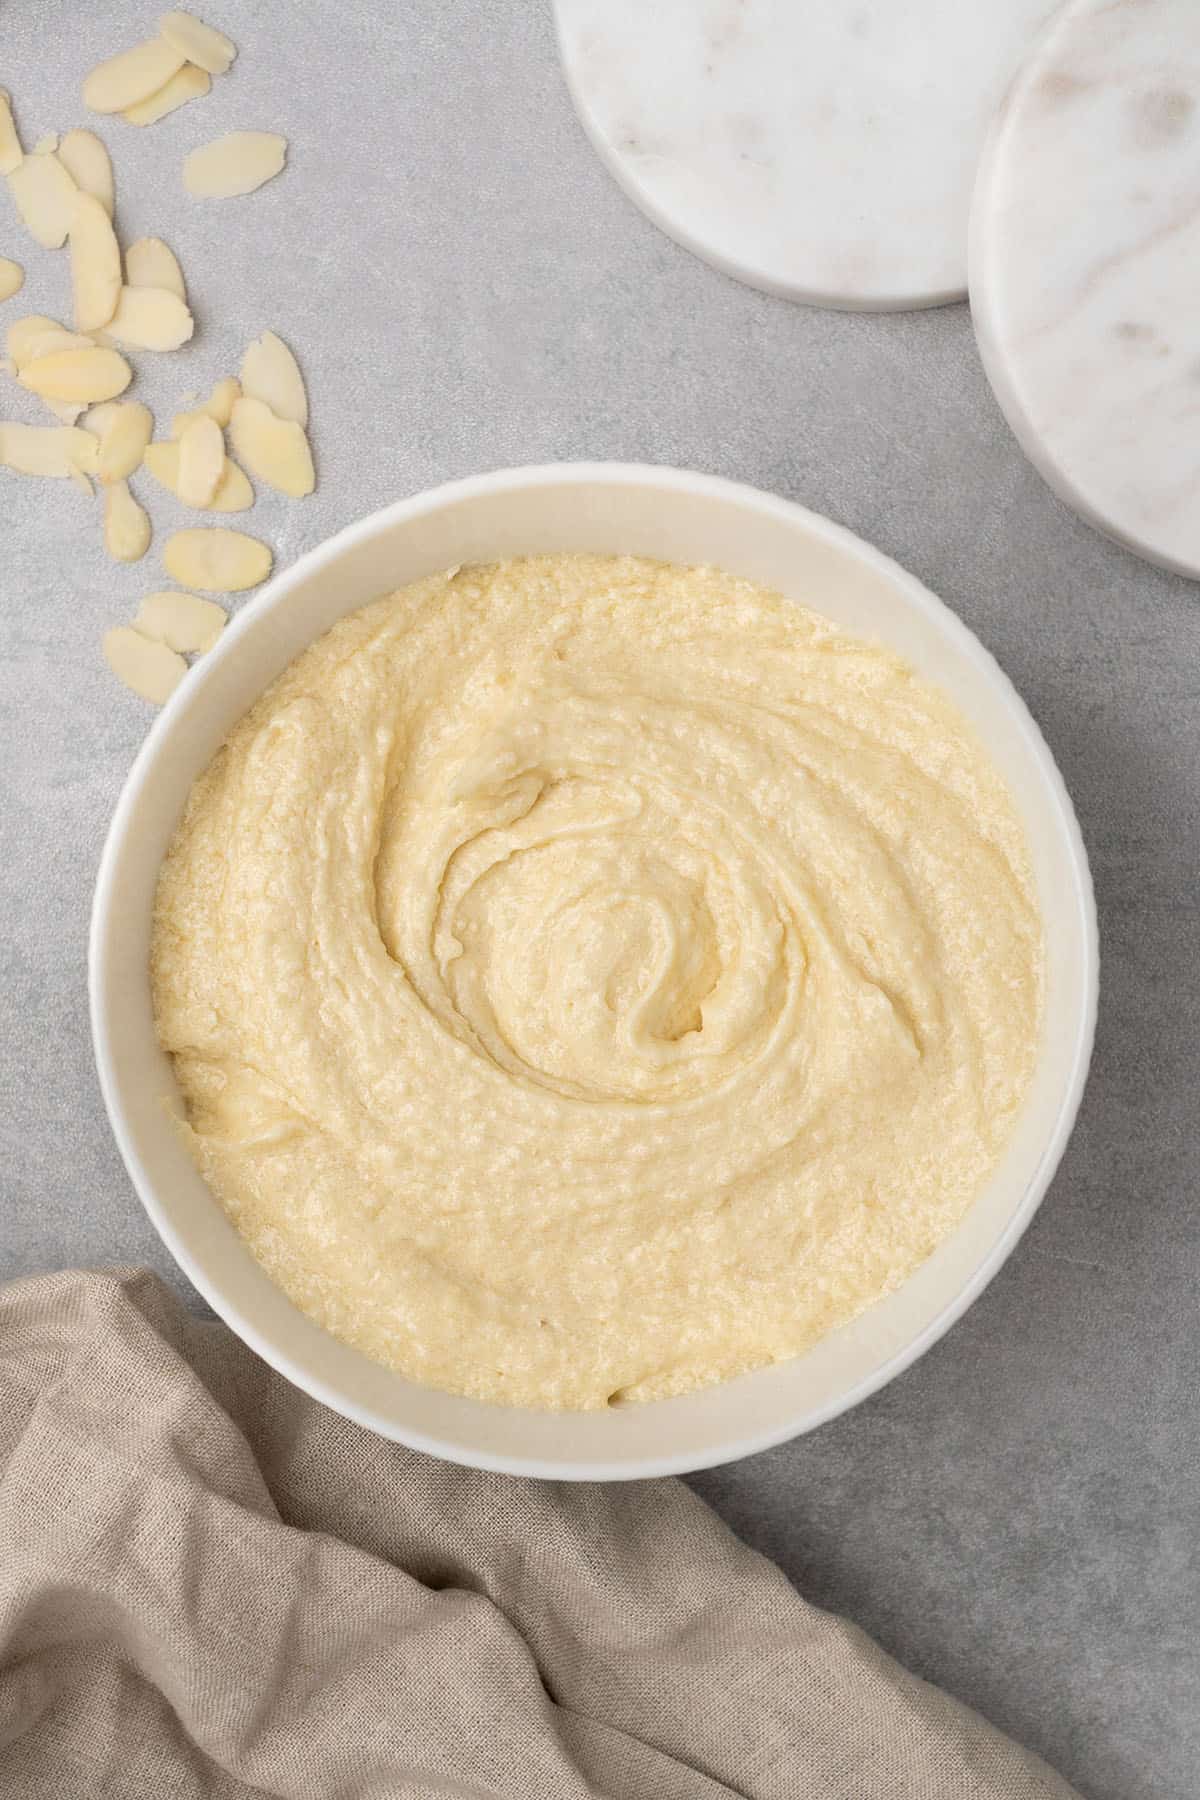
pixel 589 978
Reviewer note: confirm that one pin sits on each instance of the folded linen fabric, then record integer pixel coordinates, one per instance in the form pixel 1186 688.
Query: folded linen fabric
pixel 212 1586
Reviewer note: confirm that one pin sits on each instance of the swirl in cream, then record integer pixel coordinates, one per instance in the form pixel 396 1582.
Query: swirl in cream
pixel 589 978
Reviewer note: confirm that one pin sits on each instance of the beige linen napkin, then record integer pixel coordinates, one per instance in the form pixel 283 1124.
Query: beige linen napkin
pixel 210 1585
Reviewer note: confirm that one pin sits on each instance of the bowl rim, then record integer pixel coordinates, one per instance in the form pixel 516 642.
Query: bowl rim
pixel 102 929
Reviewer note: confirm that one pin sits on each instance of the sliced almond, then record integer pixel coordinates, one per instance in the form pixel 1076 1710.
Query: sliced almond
pixel 216 559
pixel 52 450
pixel 183 621
pixel 44 194
pixel 162 461
pixel 200 43
pixel 218 406
pixel 81 453
pixel 67 412
pixel 95 264
pixel 234 493
pixel 78 375
pixel 186 84
pixel 22 332
pixel 123 439
pixel 12 278
pixel 99 418
pixel 87 162
pixel 126 524
pixel 133 75
pixel 150 319
pixel 45 343
pixel 151 669
pixel 235 164
pixel 36 336
pixel 10 143
pixel 222 400
pixel 49 343
pixel 271 373
pixel 276 450
pixel 150 264
pixel 201 461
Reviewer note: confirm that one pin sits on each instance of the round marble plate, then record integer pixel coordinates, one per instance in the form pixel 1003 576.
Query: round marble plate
pixel 820 149
pixel 1085 268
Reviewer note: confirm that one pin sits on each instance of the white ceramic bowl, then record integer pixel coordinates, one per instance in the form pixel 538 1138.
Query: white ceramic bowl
pixel 684 518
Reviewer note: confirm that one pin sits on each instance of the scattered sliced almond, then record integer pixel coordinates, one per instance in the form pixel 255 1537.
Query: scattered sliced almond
pixel 36 336
pixel 218 406
pixel 271 373
pixel 126 524
pixel 200 43
pixel 234 493
pixel 87 162
pixel 150 319
pixel 162 461
pixel 235 164
pixel 52 450
pixel 186 84
pixel 151 669
pixel 276 450
pixel 150 264
pixel 23 332
pixel 185 622
pixel 201 461
pixel 124 435
pixel 78 375
pixel 95 264
pixel 132 76
pixel 223 399
pixel 100 417
pixel 216 559
pixel 10 143
pixel 44 194
pixel 64 191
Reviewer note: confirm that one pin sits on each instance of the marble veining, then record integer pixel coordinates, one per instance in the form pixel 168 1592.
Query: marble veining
pixel 1085 268
pixel 820 149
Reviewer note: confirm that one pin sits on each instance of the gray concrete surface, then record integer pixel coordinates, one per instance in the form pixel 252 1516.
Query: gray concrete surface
pixel 1017 1517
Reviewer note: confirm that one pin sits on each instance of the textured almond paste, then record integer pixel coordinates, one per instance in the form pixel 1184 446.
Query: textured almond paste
pixel 589 978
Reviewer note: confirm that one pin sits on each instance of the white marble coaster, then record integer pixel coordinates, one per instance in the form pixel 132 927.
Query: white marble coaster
pixel 820 149
pixel 1085 268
